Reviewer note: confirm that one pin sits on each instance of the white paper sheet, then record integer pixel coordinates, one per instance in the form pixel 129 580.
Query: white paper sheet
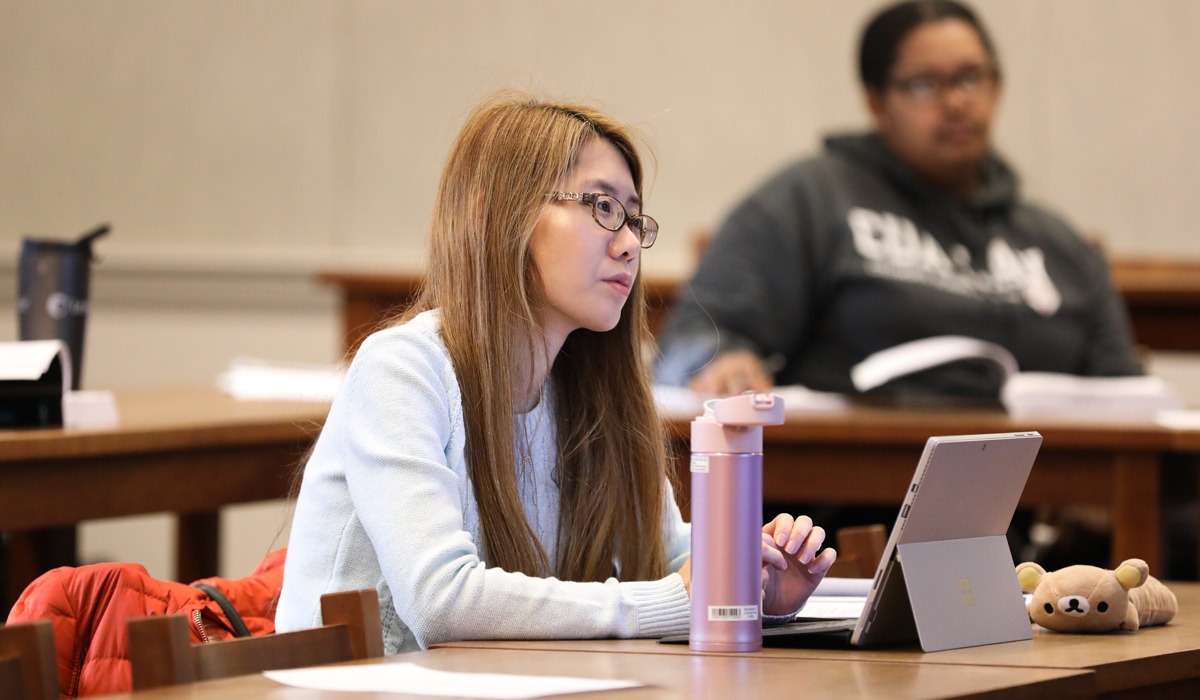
pixel 1042 394
pixel 29 359
pixel 1178 420
pixel 917 355
pixel 838 586
pixel 832 607
pixel 90 410
pixel 841 607
pixel 418 680
pixel 249 379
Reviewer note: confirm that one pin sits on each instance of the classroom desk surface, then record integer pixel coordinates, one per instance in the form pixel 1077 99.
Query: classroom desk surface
pixel 694 678
pixel 180 450
pixel 192 451
pixel 1152 662
pixel 1164 659
pixel 175 418
pixel 866 455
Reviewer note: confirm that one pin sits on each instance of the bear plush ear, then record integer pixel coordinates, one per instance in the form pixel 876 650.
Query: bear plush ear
pixel 1132 573
pixel 1029 574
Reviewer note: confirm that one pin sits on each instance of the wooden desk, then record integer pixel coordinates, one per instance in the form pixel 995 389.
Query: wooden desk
pixel 1155 661
pixel 695 678
pixel 1163 298
pixel 867 455
pixel 193 451
pixel 186 451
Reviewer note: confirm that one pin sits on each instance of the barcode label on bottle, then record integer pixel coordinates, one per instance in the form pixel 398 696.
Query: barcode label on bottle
pixel 732 613
pixel 700 463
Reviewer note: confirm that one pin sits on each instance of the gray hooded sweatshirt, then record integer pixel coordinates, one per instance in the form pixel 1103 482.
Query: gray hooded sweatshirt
pixel 852 252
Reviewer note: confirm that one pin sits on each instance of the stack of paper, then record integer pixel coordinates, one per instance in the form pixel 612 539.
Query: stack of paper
pixel 1024 394
pixel 1029 394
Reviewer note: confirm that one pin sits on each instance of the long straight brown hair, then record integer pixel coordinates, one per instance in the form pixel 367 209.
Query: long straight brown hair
pixel 511 154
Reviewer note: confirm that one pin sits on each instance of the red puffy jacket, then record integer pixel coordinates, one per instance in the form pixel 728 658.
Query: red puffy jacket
pixel 89 606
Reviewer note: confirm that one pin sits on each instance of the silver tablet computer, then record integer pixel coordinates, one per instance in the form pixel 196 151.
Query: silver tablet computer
pixel 947 577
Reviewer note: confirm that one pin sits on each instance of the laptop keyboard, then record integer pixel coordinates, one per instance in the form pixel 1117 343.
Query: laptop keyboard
pixel 802 626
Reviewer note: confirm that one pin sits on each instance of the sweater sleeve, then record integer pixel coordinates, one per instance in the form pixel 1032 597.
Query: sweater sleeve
pixel 399 424
pixel 750 289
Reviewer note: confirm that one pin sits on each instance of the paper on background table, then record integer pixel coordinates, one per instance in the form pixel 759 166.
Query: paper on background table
pixel 90 410
pixel 1023 394
pixel 1042 394
pixel 1178 420
pixel 249 379
pixel 29 359
pixel 418 680
pixel 918 355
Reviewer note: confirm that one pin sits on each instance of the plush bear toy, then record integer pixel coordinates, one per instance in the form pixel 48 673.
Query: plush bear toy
pixel 1091 599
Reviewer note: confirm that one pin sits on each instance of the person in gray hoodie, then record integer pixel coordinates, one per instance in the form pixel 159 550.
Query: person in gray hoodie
pixel 913 230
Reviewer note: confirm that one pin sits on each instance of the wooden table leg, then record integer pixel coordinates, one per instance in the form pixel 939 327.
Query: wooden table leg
pixel 30 554
pixel 1137 511
pixel 198 540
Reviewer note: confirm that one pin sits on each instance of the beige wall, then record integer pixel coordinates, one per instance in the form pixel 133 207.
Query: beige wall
pixel 319 127
pixel 238 146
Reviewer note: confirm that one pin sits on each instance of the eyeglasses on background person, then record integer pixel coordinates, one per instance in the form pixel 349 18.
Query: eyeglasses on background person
pixel 970 82
pixel 610 213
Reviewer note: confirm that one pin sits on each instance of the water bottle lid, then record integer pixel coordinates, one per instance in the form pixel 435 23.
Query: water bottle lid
pixel 735 424
pixel 748 409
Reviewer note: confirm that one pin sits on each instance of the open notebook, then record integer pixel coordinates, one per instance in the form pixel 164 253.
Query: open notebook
pixel 1022 393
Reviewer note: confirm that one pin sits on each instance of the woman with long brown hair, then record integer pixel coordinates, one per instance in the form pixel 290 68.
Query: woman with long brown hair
pixel 494 465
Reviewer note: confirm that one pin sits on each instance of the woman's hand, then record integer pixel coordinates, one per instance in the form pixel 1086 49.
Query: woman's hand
pixel 732 373
pixel 792 567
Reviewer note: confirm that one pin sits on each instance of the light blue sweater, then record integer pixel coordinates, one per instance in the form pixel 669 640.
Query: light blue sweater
pixel 386 504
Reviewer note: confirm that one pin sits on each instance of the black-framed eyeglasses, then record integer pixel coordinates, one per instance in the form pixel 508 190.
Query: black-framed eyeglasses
pixel 969 82
pixel 610 213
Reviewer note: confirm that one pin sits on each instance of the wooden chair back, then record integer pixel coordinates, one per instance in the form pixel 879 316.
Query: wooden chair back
pixel 28 664
pixel 859 549
pixel 161 651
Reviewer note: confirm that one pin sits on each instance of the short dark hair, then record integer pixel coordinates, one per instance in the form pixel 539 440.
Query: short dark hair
pixel 883 34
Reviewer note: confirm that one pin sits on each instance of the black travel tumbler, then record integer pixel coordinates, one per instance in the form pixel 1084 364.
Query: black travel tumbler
pixel 52 295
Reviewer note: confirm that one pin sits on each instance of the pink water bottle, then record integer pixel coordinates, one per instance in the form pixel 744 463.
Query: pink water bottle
pixel 727 522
